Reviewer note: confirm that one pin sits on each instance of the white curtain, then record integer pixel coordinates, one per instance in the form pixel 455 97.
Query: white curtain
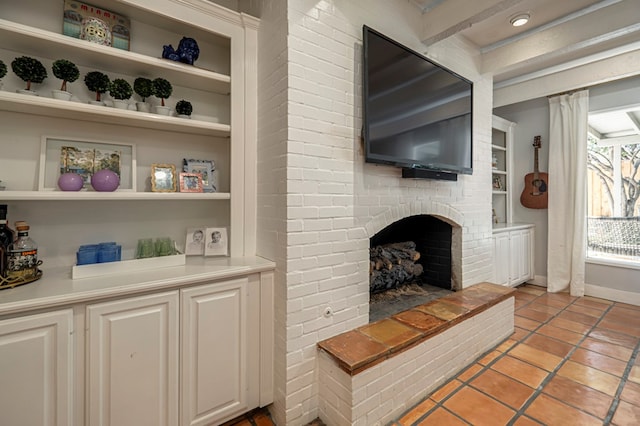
pixel 567 192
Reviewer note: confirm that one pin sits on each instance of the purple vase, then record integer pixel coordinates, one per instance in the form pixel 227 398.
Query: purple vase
pixel 105 180
pixel 70 182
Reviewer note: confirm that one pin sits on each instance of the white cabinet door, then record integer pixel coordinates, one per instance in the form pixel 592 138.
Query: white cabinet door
pixel 515 260
pixel 132 361
pixel 501 262
pixel 214 352
pixel 526 258
pixel 36 355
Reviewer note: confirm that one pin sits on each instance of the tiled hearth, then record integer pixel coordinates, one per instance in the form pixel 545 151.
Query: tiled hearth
pixel 372 373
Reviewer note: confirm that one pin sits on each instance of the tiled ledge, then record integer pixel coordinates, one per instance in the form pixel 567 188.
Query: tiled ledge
pixel 366 346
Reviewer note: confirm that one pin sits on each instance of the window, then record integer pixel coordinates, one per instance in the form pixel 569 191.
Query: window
pixel 613 198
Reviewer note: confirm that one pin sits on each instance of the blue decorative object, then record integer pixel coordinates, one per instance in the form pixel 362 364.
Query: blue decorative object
pixel 187 52
pixel 98 253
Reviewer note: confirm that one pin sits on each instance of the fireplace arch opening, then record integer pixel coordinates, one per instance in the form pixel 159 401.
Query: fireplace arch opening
pixel 412 261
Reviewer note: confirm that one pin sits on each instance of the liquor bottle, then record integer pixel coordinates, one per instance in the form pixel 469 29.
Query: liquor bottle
pixel 23 255
pixel 6 239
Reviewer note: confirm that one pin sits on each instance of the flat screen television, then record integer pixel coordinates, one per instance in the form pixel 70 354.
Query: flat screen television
pixel 417 114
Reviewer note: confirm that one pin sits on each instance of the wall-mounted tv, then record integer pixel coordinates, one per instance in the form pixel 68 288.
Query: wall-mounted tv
pixel 417 114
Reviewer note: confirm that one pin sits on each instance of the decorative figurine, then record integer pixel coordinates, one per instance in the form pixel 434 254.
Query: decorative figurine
pixel 187 52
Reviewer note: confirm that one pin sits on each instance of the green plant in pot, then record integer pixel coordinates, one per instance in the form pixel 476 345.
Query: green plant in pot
pixel 143 88
pixel 30 70
pixel 66 71
pixel 162 89
pixel 184 108
pixel 3 72
pixel 120 90
pixel 98 83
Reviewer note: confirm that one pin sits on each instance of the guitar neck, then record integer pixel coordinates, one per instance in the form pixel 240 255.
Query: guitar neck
pixel 536 171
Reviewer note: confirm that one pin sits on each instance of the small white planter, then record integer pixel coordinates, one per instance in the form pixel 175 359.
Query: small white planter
pixel 184 116
pixel 26 92
pixel 96 103
pixel 162 110
pixel 61 94
pixel 143 107
pixel 120 104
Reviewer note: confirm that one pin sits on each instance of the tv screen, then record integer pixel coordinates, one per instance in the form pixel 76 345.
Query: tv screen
pixel 417 114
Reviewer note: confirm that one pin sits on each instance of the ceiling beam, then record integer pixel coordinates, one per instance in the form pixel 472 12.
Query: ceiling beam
pixel 584 33
pixel 634 122
pixel 452 16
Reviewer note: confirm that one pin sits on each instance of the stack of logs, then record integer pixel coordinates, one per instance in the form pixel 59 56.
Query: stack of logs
pixel 393 265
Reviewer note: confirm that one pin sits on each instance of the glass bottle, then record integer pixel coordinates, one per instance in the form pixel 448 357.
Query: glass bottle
pixel 23 255
pixel 6 239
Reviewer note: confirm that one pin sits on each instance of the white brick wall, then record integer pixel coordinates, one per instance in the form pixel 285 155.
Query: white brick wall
pixel 383 392
pixel 318 202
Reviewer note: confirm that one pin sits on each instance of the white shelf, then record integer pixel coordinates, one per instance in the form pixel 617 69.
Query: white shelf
pixel 498 172
pixel 499 192
pixel 498 148
pixel 109 196
pixel 37 42
pixel 40 105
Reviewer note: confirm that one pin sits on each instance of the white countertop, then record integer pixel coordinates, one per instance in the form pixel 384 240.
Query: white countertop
pixel 56 288
pixel 504 227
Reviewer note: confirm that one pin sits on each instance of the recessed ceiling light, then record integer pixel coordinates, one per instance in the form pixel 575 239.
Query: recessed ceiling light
pixel 520 19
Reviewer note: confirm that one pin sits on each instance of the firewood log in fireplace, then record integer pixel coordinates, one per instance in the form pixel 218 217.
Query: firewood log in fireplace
pixel 393 265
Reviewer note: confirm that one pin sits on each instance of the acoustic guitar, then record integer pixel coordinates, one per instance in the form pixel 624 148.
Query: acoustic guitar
pixel 535 195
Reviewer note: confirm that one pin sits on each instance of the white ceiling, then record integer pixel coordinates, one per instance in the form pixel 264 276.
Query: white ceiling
pixel 560 36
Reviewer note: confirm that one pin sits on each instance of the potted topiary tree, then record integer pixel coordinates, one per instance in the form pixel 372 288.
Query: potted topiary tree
pixel 30 70
pixel 98 83
pixel 3 72
pixel 144 88
pixel 184 109
pixel 162 89
pixel 120 90
pixel 66 71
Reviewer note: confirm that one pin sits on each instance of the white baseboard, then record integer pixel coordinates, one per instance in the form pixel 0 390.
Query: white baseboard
pixel 612 294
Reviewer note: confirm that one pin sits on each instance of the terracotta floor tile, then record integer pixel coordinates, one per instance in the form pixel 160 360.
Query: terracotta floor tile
pixel 443 310
pixel 560 334
pixel 615 351
pixel 576 327
pixel 631 393
pixel 614 337
pixel 519 303
pixel 525 421
pixel 601 362
pixel 526 323
pixel 261 419
pixel 624 315
pixel 424 322
pixel 634 374
pixel 520 371
pixel 446 390
pixel 592 312
pixel 519 333
pixel 593 302
pixel 543 308
pixel 469 372
pixel 392 333
pixel 418 411
pixel 627 306
pixel 549 411
pixel 520 295
pixel 626 415
pixel 502 388
pixel 535 356
pixel 532 289
pixel 578 317
pixel 442 417
pixel 534 314
pixel 478 409
pixel 588 376
pixel 485 360
pixel 559 300
pixel 626 328
pixel 548 344
pixel 579 396
pixel 506 345
pixel 353 349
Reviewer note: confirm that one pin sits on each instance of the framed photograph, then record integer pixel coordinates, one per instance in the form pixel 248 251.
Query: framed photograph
pixel 216 242
pixel 190 182
pixel 163 178
pixel 59 155
pixel 95 24
pixel 194 244
pixel 206 168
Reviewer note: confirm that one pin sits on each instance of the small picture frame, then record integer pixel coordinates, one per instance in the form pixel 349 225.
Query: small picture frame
pixel 190 182
pixel 195 241
pixel 163 178
pixel 216 242
pixel 206 168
